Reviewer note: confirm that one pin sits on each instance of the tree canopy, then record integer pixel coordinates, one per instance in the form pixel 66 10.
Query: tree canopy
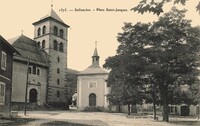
pixel 157 7
pixel 159 55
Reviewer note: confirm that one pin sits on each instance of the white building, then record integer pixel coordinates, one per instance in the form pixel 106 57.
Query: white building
pixel 92 87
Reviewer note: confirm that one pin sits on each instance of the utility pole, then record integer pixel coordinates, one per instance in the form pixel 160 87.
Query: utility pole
pixel 26 92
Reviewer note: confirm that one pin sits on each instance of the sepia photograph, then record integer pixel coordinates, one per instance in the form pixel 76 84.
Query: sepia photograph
pixel 100 63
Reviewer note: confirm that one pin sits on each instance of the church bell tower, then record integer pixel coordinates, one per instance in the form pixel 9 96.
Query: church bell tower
pixel 50 32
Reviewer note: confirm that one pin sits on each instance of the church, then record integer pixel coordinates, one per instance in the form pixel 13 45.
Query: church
pixel 39 73
pixel 92 87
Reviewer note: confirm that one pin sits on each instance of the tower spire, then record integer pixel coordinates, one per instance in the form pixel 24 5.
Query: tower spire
pixel 95 57
pixel 95 50
pixel 22 32
pixel 51 4
pixel 95 44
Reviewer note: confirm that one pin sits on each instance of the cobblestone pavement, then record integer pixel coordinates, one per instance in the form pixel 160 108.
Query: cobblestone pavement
pixel 99 119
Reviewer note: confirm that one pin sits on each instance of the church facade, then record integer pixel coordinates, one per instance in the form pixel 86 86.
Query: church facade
pixel 46 57
pixel 92 87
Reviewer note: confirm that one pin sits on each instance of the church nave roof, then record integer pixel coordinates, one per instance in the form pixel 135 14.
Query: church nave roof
pixel 28 48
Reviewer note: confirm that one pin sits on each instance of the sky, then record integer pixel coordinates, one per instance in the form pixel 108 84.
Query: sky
pixel 86 27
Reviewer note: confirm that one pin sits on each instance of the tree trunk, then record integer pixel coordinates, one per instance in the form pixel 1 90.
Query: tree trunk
pixel 129 111
pixel 165 104
pixel 133 108
pixel 119 108
pixel 154 106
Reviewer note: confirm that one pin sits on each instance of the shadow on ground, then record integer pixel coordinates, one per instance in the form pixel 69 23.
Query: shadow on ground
pixel 185 123
pixel 41 122
pixel 75 123
pixel 15 121
pixel 62 123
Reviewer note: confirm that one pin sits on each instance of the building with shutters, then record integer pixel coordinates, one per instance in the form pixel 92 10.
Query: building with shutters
pixel 6 62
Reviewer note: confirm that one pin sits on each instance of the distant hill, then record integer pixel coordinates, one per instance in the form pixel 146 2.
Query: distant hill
pixel 72 82
pixel 71 71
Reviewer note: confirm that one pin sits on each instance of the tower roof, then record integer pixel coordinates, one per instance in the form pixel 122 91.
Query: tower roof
pixel 28 49
pixel 51 15
pixel 94 68
pixel 95 52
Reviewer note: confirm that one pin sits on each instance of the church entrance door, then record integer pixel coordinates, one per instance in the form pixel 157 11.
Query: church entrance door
pixel 33 96
pixel 92 99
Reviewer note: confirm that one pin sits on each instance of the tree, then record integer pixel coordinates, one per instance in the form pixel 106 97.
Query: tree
pixel 157 7
pixel 72 83
pixel 122 91
pixel 177 44
pixel 162 55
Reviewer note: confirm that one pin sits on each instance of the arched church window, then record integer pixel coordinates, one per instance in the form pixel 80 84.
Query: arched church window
pixel 38 43
pixel 58 94
pixel 38 31
pixel 92 99
pixel 43 44
pixel 38 71
pixel 30 70
pixel 34 69
pixel 61 47
pixel 55 45
pixel 44 30
pixel 55 30
pixel 61 33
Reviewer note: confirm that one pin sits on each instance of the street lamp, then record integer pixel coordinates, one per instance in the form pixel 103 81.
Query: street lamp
pixel 26 92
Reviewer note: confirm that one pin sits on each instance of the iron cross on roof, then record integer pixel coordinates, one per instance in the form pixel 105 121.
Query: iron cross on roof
pixel 95 44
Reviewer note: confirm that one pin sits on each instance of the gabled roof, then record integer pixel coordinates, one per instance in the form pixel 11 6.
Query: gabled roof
pixel 51 15
pixel 10 46
pixel 93 69
pixel 29 49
